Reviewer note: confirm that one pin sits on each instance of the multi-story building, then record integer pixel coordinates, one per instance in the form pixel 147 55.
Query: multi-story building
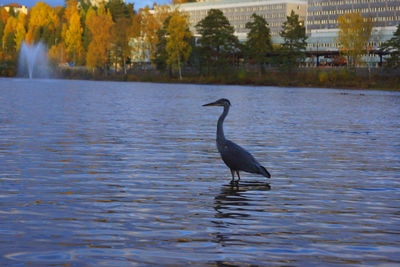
pixel 322 20
pixel 239 12
pixel 17 8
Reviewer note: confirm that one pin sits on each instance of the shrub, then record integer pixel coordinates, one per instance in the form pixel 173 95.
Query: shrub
pixel 323 77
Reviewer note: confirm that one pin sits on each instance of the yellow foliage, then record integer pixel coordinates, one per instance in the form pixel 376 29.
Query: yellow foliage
pixel 41 15
pixel 20 31
pixel 149 25
pixel 3 15
pixel 9 28
pixel 178 42
pixel 72 8
pixel 354 34
pixel 15 26
pixel 100 25
pixel 73 35
pixel 57 53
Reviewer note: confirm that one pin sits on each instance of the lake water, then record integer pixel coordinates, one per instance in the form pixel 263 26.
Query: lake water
pixel 124 174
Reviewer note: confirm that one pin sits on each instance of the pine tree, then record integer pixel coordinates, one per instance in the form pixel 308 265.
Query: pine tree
pixel 217 40
pixel 294 41
pixel 392 47
pixel 258 43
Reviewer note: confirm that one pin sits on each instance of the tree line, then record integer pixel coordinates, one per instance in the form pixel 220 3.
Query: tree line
pixel 114 35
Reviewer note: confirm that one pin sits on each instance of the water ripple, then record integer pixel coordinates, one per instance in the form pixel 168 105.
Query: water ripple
pixel 122 174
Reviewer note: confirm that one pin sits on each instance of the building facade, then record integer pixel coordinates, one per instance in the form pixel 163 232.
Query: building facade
pixel 239 12
pixel 323 14
pixel 17 8
pixel 322 20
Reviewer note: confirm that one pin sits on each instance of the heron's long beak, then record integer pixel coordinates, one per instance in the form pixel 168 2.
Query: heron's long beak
pixel 211 104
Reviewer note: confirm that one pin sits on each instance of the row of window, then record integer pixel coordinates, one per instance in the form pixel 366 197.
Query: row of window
pixel 361 10
pixel 244 17
pixel 244 9
pixel 334 21
pixel 317 45
pixel 346 2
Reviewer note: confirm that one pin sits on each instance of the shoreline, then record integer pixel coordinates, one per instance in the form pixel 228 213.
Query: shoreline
pixel 309 78
pixel 329 78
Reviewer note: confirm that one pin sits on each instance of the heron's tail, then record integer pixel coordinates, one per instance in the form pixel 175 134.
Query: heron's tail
pixel 265 172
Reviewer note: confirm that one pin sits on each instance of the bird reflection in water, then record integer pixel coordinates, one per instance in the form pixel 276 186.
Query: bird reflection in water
pixel 228 202
pixel 233 206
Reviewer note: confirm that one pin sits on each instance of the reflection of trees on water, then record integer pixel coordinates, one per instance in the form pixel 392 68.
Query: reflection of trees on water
pixel 232 207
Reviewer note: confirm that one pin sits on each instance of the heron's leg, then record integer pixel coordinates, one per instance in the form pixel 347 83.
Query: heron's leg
pixel 237 172
pixel 233 176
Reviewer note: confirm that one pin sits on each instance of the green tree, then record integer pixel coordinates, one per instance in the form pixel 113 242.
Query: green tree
pixel 217 40
pixel 150 23
pixel 120 49
pixel 9 44
pixel 160 55
pixel 354 34
pixel 294 41
pixel 258 43
pixel 119 9
pixel 392 47
pixel 12 12
pixel 178 46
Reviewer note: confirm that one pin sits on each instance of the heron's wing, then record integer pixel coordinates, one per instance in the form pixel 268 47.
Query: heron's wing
pixel 237 158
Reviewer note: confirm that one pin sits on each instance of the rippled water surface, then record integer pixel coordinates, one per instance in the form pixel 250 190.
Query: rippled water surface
pixel 122 174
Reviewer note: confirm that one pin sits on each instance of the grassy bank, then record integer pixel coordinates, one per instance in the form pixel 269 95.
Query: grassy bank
pixel 326 78
pixel 377 79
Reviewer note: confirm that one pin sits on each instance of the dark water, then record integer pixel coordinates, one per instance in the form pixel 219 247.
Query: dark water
pixel 123 174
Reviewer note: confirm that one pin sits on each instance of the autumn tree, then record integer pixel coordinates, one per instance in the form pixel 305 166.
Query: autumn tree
pixel 121 49
pixel 20 31
pixel 42 23
pixel 178 45
pixel 392 47
pixel 100 25
pixel 258 43
pixel 354 34
pixel 72 32
pixel 138 44
pixel 150 24
pixel 3 21
pixel 294 44
pixel 13 35
pixel 217 40
pixel 9 45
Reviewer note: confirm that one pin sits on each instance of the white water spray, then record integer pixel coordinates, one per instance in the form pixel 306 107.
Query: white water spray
pixel 32 61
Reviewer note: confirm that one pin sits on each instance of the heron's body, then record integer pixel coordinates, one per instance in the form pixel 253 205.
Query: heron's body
pixel 234 156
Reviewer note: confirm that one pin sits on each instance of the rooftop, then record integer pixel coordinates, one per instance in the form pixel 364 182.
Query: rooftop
pixel 14 5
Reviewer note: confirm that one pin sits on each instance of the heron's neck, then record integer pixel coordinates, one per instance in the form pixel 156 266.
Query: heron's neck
pixel 220 128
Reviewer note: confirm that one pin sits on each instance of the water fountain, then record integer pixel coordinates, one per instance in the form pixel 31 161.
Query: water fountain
pixel 32 61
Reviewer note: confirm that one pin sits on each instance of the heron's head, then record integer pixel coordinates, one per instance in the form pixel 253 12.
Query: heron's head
pixel 220 102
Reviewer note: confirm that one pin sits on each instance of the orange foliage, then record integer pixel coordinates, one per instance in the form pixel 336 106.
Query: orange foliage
pixel 72 31
pixel 100 25
pixel 3 15
pixel 41 15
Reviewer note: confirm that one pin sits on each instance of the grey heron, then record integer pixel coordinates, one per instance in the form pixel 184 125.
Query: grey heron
pixel 234 156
